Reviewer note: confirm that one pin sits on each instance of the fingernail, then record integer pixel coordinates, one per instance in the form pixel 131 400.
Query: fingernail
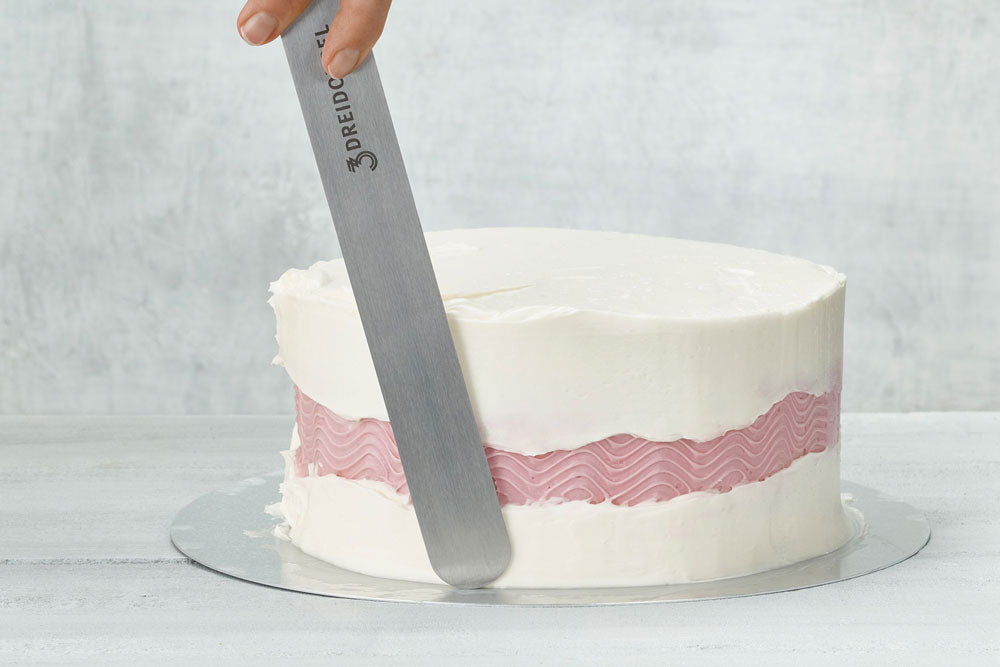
pixel 258 28
pixel 343 62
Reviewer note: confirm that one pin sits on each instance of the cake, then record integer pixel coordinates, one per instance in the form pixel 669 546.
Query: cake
pixel 653 410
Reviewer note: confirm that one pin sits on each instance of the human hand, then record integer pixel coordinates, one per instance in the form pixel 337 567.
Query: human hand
pixel 353 31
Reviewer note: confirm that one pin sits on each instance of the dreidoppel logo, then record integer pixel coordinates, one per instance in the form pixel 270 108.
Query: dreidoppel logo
pixel 364 158
pixel 361 159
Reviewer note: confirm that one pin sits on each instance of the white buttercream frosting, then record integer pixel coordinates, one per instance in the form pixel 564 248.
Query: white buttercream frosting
pixel 795 514
pixel 567 336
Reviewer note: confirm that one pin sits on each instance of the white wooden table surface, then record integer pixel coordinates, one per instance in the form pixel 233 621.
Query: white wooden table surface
pixel 87 571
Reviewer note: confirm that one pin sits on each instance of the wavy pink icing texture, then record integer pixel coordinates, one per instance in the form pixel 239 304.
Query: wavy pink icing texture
pixel 623 469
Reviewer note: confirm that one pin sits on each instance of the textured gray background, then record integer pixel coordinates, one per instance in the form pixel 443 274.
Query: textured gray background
pixel 155 174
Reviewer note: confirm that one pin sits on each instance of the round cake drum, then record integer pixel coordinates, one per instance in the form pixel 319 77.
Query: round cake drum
pixel 228 531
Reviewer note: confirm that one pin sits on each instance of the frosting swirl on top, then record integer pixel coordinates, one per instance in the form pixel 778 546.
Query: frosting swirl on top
pixel 513 274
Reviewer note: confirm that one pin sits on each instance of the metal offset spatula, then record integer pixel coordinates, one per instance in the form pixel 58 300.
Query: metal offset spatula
pixel 397 295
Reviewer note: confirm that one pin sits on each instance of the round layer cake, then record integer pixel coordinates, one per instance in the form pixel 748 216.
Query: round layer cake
pixel 653 410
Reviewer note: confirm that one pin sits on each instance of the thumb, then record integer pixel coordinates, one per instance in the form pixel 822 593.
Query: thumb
pixel 354 31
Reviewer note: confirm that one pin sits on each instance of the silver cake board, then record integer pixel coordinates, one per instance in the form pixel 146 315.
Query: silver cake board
pixel 228 531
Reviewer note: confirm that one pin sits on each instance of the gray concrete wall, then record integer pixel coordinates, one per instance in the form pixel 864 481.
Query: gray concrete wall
pixel 155 174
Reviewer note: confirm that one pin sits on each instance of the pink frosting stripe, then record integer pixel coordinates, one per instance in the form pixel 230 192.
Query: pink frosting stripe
pixel 624 469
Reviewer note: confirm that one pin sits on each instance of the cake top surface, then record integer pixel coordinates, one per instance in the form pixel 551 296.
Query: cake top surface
pixel 522 273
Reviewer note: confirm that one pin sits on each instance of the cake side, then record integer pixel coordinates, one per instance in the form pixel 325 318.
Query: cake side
pixel 793 515
pixel 544 375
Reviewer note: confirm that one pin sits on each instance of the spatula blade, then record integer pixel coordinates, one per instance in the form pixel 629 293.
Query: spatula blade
pixel 400 305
